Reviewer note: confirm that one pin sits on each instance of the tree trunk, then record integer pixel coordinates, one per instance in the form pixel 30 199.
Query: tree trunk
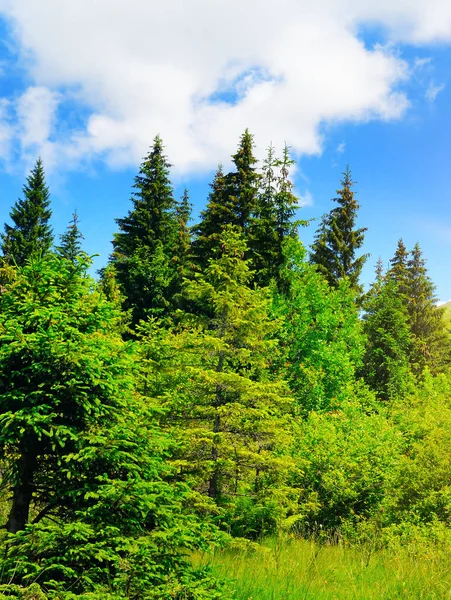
pixel 22 493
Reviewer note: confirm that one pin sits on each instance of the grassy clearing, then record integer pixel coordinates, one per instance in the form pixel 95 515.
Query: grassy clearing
pixel 302 570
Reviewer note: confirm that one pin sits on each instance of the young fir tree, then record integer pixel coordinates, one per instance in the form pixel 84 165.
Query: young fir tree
pixel 31 232
pixel 232 201
pixel 144 248
pixel 430 339
pixel 70 241
pixel 93 509
pixel 337 240
pixel 220 397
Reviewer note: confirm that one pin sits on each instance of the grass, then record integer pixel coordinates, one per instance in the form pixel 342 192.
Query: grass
pixel 301 570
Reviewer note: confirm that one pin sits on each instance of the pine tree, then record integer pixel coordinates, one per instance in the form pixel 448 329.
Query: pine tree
pixel 70 241
pixel 337 240
pixel 147 242
pixel 31 233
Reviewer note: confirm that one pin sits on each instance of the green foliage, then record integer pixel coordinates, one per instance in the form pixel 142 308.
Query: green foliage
pixel 232 201
pixel 273 218
pixel 420 491
pixel 388 341
pixel 31 233
pixel 93 508
pixel 337 240
pixel 430 338
pixel 320 335
pixel 223 405
pixel 148 247
pixel 70 241
pixel 347 459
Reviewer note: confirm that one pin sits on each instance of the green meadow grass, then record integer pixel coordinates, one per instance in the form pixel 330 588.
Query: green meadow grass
pixel 303 570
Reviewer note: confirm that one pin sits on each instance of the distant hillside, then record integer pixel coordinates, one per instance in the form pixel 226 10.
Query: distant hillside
pixel 447 307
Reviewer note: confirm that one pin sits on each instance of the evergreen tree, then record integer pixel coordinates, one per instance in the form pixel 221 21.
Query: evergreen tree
pixel 144 248
pixel 31 233
pixel 242 185
pixel 214 218
pixel 430 339
pixel 70 241
pixel 388 341
pixel 273 217
pixel 398 271
pixel 232 201
pixel 337 240
pixel 93 508
pixel 182 249
pixel 220 398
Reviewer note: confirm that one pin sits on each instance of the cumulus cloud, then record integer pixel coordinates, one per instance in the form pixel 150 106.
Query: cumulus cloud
pixel 199 72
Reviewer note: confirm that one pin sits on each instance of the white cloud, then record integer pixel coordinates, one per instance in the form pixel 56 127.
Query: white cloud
pixel 341 147
pixel 433 90
pixel 306 199
pixel 199 72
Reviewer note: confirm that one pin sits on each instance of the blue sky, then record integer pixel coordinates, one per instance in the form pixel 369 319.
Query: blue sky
pixel 88 85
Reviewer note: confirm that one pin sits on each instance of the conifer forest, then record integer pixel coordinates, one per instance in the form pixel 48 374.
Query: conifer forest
pixel 220 394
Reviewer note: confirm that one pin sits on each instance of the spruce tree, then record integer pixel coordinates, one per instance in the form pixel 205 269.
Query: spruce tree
pixel 337 240
pixel 217 214
pixel 388 340
pixel 430 339
pixel 220 396
pixel 398 271
pixel 273 217
pixel 70 241
pixel 31 232
pixel 94 510
pixel 232 201
pixel 242 185
pixel 148 240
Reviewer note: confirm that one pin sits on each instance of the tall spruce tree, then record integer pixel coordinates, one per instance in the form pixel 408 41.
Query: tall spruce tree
pixel 388 340
pixel 31 232
pixel 398 271
pixel 220 396
pixel 148 240
pixel 217 214
pixel 337 240
pixel 430 338
pixel 70 240
pixel 232 201
pixel 273 217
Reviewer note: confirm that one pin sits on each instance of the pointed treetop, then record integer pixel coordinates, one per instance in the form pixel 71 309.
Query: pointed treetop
pixel 70 240
pixel 31 232
pixel 337 239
